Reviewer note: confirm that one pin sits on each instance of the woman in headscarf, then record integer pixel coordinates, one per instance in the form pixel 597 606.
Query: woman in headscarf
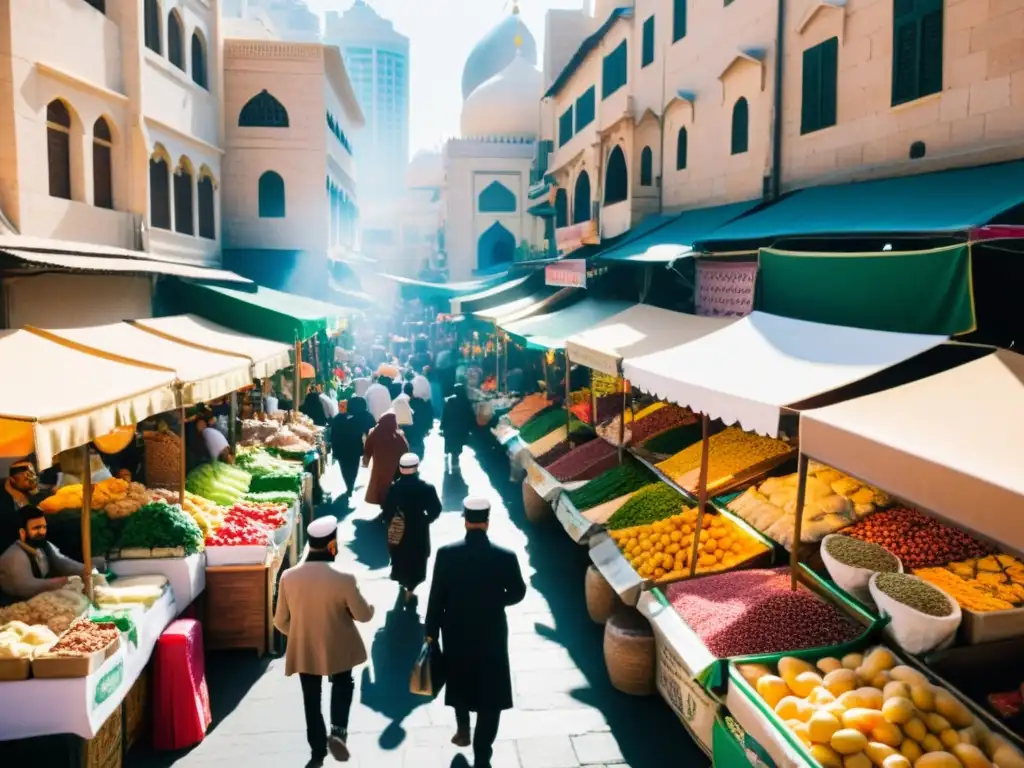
pixel 348 434
pixel 384 447
pixel 313 407
pixel 422 417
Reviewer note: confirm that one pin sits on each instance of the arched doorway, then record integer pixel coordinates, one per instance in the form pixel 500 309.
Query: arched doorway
pixel 561 208
pixel 496 246
pixel 616 178
pixel 581 199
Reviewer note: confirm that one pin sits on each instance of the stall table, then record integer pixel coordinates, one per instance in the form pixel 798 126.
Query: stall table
pixel 186 575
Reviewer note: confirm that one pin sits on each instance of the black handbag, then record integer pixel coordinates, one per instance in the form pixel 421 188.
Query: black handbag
pixel 428 674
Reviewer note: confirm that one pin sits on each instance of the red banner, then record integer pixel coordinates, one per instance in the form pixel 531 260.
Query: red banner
pixel 725 289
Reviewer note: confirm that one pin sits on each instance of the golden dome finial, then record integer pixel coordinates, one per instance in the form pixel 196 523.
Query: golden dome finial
pixel 519 41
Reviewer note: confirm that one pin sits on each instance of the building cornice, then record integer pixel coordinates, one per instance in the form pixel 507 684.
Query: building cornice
pixel 186 137
pixel 79 82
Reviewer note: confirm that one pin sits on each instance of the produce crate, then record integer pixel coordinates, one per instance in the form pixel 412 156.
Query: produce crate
pixel 694 707
pixel 253 554
pixel 990 626
pixel 733 747
pixel 64 667
pixel 106 748
pixel 237 611
pixel 15 669
pixel 136 708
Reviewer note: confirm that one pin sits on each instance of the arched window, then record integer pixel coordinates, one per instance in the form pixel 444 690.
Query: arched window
pixel 176 40
pixel 616 178
pixel 152 26
pixel 207 207
pixel 159 190
pixel 271 194
pixel 682 142
pixel 199 60
pixel 58 148
pixel 496 246
pixel 496 198
pixel 183 220
pixel 740 127
pixel 646 167
pixel 102 165
pixel 581 199
pixel 561 208
pixel 263 111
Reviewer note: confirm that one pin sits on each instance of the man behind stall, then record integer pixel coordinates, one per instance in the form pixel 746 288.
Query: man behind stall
pixel 20 489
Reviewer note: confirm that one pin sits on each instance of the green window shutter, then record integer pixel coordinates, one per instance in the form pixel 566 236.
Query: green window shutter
pixel 585 107
pixel 810 99
pixel 930 64
pixel 565 127
pixel 682 147
pixel 647 56
pixel 678 20
pixel 614 70
pixel 740 127
pixel 829 81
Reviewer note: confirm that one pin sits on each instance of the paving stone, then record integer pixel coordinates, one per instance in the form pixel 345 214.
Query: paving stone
pixel 549 752
pixel 595 748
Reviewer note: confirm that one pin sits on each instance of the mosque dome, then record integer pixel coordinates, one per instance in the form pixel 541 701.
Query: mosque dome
pixel 495 51
pixel 507 105
pixel 426 169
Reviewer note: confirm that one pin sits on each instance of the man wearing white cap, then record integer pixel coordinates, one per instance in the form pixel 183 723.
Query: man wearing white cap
pixel 412 505
pixel 474 581
pixel 317 607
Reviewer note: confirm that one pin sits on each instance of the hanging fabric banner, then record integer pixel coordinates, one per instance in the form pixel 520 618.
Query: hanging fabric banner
pixel 725 289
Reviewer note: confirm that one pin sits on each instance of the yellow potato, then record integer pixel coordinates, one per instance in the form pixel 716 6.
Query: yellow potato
pixel 938 759
pixel 804 683
pixel 880 659
pixel 829 664
pixel 790 667
pixel 896 761
pixel 931 743
pixel 952 709
pixel 821 726
pixel 793 708
pixel 898 710
pixel 949 738
pixel 800 729
pixel 841 681
pixel 1007 756
pixel 908 675
pixel 772 689
pixel 825 756
pixel 971 756
pixel 936 723
pixel 848 741
pixel 852 660
pixel 880 680
pixel 859 760
pixel 871 697
pixel 877 752
pixel 820 696
pixel 887 733
pixel 911 750
pixel 864 720
pixel 894 689
pixel 915 728
pixel 923 697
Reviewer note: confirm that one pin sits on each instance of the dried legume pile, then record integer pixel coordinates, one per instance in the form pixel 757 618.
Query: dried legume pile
pixel 730 451
pixel 608 407
pixel 914 593
pixel 650 504
pixel 527 408
pixel 554 454
pixel 578 460
pixel 544 422
pixel 658 421
pixel 626 478
pixel 916 539
pixel 741 613
pixel 675 439
pixel 862 554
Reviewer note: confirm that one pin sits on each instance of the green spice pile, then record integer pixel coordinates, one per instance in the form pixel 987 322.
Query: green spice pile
pixel 616 482
pixel 914 593
pixel 543 424
pixel 862 554
pixel 675 440
pixel 652 503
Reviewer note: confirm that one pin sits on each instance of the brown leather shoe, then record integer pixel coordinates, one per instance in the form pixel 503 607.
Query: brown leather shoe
pixel 338 748
pixel 462 739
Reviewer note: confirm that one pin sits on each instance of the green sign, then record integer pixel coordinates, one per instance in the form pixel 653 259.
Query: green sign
pixel 108 684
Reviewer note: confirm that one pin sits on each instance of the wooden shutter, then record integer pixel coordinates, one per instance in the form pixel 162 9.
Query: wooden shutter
pixel 58 155
pixel 648 42
pixel 905 51
pixel 810 99
pixel 565 127
pixel 678 20
pixel 102 180
pixel 829 94
pixel 931 49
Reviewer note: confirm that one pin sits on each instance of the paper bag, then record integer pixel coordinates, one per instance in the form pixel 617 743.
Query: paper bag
pixel 427 678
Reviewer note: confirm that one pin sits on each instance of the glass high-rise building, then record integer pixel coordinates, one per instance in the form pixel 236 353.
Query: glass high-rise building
pixel 377 60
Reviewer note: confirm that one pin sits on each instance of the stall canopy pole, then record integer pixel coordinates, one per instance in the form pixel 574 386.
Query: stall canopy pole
pixel 702 491
pixel 622 419
pixel 801 495
pixel 568 399
pixel 298 379
pixel 593 400
pixel 87 521
pixel 184 454
pixel 233 423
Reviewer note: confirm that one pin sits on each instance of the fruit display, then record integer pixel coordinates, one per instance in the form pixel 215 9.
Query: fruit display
pixel 273 497
pixel 618 481
pixel 914 593
pixel 206 514
pixel 218 482
pixel 19 640
pixel 136 496
pixel 527 408
pixel 832 502
pixel 653 421
pixel 731 452
pixel 585 461
pixel 542 424
pixel 581 411
pixel 84 637
pixel 295 437
pixel 70 496
pixel 239 530
pixel 918 540
pixel 743 613
pixel 609 430
pixel 661 551
pixel 579 396
pixel 674 440
pixel 160 525
pixel 650 504
pixel 609 407
pixel 603 384
pixel 983 584
pixel 55 609
pixel 861 554
pixel 130 590
pixel 269 473
pixel 870 710
pixel 269 514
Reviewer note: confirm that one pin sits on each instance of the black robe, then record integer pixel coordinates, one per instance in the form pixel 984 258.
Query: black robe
pixel 457 421
pixel 474 582
pixel 420 505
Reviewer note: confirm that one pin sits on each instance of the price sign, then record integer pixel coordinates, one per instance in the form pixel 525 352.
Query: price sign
pixel 575 524
pixel 690 703
pixel 108 684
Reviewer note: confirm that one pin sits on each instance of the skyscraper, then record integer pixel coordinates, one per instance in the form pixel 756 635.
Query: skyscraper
pixel 377 60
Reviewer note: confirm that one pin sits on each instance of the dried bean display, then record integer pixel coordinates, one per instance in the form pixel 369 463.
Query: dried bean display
pixel 674 440
pixel 527 408
pixel 579 460
pixel 540 425
pixel 650 504
pixel 992 583
pixel 731 452
pixel 626 478
pixel 862 554
pixel 914 593
pixel 743 613
pixel 918 540
pixel 654 421
pixel 84 637
pixel 554 454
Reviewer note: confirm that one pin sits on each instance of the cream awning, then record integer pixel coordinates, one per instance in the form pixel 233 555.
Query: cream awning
pixel 950 443
pixel 203 375
pixel 524 307
pixel 638 331
pixel 751 370
pixel 267 357
pixel 54 397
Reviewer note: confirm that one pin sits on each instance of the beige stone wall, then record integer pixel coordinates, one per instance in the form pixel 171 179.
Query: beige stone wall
pixel 74 301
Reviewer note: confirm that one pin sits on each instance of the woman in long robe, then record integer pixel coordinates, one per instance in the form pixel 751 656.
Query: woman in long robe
pixel 349 432
pixel 384 447
pixel 419 505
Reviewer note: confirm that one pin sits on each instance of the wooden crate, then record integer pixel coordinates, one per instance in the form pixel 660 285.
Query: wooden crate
pixel 136 709
pixel 106 748
pixel 235 610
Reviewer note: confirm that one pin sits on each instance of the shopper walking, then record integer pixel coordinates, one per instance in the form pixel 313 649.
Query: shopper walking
pixel 348 435
pixel 474 582
pixel 317 607
pixel 378 399
pixel 384 447
pixel 412 505
pixel 457 423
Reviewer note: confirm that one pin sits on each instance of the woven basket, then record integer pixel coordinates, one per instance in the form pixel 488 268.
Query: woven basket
pixel 602 601
pixel 104 749
pixel 629 652
pixel 162 462
pixel 534 506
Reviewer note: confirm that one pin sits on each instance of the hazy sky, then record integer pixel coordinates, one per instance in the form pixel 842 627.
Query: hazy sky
pixel 441 34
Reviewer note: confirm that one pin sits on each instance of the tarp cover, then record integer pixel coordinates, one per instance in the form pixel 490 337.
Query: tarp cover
pixel 945 443
pixel 524 307
pixel 910 292
pixel 747 372
pixel 640 330
pixel 203 375
pixel 55 397
pixel 549 331
pixel 502 293
pixel 267 357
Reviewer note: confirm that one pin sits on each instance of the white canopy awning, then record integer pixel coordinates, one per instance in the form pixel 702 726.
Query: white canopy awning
pixel 951 443
pixel 749 371
pixel 524 307
pixel 638 331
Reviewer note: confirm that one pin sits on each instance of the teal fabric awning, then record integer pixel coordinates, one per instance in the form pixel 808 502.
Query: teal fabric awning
pixel 948 201
pixel 551 330
pixel 501 293
pixel 674 236
pixel 413 287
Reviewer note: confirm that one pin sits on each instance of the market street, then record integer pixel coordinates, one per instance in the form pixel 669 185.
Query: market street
pixel 567 714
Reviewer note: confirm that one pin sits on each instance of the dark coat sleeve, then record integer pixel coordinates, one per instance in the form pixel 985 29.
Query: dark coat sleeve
pixel 515 587
pixel 432 504
pixel 391 504
pixel 438 594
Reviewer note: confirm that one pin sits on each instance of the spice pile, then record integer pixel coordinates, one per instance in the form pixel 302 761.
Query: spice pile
pixel 742 613
pixel 55 610
pixel 914 593
pixel 561 449
pixel 674 440
pixel 527 408
pixel 541 424
pixel 731 451
pixel 85 637
pixel 585 462
pixel 862 554
pixel 107 495
pixel 918 540
pixel 626 478
pixel 655 420
pixel 650 504
pixel 993 583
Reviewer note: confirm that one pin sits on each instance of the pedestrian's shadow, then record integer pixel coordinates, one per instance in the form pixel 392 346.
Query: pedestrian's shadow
pixel 370 544
pixel 453 490
pixel 395 648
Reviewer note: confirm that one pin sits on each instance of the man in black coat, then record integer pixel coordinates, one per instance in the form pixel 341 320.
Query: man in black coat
pixel 416 501
pixel 474 581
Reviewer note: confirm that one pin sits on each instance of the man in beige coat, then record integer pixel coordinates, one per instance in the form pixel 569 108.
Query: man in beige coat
pixel 317 607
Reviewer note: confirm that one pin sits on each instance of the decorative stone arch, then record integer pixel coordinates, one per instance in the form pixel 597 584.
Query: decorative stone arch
pixel 496 198
pixel 176 39
pixel 832 11
pixel 184 196
pixel 63 149
pixel 496 246
pixel 616 177
pixel 205 172
pixel 160 187
pixel 581 198
pixel 752 59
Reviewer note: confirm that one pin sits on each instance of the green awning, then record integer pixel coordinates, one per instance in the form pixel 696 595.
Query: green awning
pixel 550 331
pixel 948 201
pixel 263 312
pixel 674 237
pixel 498 294
pixel 906 292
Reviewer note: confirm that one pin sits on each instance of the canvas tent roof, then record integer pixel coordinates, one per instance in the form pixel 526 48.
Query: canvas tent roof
pixel 526 306
pixel 550 331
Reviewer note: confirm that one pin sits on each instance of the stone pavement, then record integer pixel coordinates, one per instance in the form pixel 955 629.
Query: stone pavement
pixel 566 712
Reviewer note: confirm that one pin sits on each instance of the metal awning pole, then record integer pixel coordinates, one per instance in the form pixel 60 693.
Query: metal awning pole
pixel 801 495
pixel 702 491
pixel 87 522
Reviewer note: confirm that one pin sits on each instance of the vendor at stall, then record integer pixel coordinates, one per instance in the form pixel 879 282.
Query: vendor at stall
pixel 20 489
pixel 204 442
pixel 32 565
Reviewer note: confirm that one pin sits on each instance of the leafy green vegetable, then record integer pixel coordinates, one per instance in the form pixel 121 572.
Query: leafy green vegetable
pixel 655 502
pixel 626 478
pixel 259 463
pixel 103 533
pixel 219 482
pixel 273 497
pixel 161 525
pixel 277 481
